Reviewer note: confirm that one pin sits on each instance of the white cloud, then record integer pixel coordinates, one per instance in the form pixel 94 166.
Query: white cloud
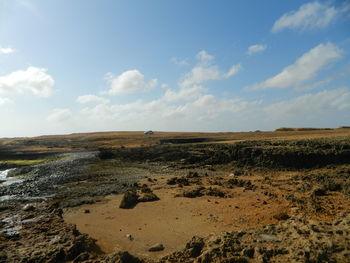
pixel 33 79
pixel 179 61
pixel 223 114
pixel 204 57
pixel 131 81
pixel 313 15
pixel 4 101
pixel 304 68
pixel 315 85
pixel 134 110
pixel 91 98
pixel 205 71
pixel 200 74
pixel 183 94
pixel 208 107
pixel 324 101
pixel 199 108
pixel 6 50
pixel 233 71
pixel 60 115
pixel 256 49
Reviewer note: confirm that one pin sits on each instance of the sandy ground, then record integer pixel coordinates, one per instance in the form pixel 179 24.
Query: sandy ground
pixel 172 220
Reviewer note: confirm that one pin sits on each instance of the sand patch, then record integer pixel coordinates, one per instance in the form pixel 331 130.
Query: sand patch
pixel 171 220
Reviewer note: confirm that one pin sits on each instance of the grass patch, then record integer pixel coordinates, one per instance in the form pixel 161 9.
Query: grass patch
pixel 33 162
pixel 24 162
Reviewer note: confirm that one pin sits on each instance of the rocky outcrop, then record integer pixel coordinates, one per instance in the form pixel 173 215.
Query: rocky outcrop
pixel 132 197
pixel 292 240
pixel 42 236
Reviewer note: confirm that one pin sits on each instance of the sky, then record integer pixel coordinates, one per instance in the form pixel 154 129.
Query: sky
pixel 185 65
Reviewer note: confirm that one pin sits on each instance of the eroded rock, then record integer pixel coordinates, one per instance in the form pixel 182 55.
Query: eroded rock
pixel 156 247
pixel 130 199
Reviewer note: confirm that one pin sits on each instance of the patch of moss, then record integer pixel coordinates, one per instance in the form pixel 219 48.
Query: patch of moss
pixel 32 161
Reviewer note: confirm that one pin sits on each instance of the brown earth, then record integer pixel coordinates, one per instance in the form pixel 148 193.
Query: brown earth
pixel 175 219
pixel 281 196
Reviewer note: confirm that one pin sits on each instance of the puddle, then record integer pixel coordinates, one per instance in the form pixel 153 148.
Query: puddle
pixel 5 180
pixel 7 197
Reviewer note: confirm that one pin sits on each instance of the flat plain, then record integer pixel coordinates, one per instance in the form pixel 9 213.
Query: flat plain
pixel 280 196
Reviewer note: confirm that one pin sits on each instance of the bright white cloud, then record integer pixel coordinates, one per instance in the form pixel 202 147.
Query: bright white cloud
pixel 324 101
pixel 91 98
pixel 256 49
pixel 6 50
pixel 131 81
pixel 205 71
pixel 304 68
pixel 33 79
pixel 309 16
pixel 4 101
pixel 60 115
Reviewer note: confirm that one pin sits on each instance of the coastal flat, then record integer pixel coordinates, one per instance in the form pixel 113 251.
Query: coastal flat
pixel 220 195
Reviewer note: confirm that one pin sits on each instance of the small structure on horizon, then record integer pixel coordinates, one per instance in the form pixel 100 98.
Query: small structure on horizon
pixel 149 132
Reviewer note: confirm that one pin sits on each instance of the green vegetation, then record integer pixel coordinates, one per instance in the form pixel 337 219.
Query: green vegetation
pixel 25 162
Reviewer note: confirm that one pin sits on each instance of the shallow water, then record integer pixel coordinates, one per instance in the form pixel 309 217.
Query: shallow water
pixel 5 180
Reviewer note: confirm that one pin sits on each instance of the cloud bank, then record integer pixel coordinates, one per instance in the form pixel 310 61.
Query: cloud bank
pixel 91 98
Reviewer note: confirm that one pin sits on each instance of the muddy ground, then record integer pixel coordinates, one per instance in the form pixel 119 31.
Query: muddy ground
pixel 260 200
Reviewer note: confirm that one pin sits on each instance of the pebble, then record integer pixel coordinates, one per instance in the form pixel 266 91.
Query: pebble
pixel 28 207
pixel 268 237
pixel 156 247
pixel 130 237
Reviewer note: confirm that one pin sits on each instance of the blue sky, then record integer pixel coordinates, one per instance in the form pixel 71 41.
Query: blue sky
pixel 84 65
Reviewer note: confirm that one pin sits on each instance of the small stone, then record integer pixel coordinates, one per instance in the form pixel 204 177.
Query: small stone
pixel 130 237
pixel 28 207
pixel 249 252
pixel 156 247
pixel 268 237
pixel 148 197
pixel 82 257
pixel 87 211
pixel 339 232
